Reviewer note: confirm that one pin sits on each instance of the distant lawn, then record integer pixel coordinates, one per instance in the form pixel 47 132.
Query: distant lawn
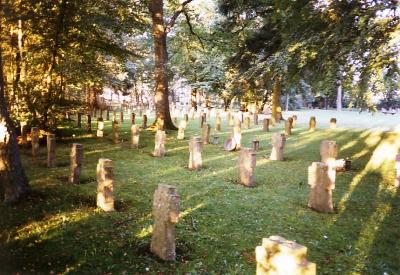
pixel 59 229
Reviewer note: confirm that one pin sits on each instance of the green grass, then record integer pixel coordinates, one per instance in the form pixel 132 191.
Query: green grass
pixel 59 229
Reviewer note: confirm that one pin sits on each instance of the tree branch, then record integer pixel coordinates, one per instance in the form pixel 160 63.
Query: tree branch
pixel 191 29
pixel 176 14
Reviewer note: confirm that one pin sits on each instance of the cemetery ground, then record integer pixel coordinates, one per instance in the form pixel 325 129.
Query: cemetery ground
pixel 58 228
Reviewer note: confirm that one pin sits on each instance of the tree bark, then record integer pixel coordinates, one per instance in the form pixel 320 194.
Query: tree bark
pixel 12 174
pixel 193 98
pixel 276 100
pixel 161 66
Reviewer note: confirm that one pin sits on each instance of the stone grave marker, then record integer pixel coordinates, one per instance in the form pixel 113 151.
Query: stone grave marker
pixel 195 147
pixel 321 184
pixel 278 146
pixel 76 163
pixel 105 185
pixel 247 165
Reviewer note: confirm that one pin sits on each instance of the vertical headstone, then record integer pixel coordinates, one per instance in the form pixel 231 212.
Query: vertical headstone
pixel 288 126
pixel 195 147
pixel 105 182
pixel 115 132
pixel 202 119
pixel 255 144
pixel 166 213
pixel 134 136
pixel 89 123
pixel 312 123
pixel 255 119
pixel 294 117
pixel 206 133
pixel 266 125
pixel 24 132
pixel 76 163
pixel 237 134
pixel 101 113
pixel 321 183
pixel 121 116
pixel 181 129
pixel 397 181
pixel 328 151
pixel 247 165
pixel 278 145
pixel 79 120
pixel 114 115
pixel 51 150
pixel 247 122
pixel 279 256
pixel 100 127
pixel 186 117
pixel 144 121
pixel 218 122
pixel 133 118
pixel 35 141
pixel 333 123
pixel 159 144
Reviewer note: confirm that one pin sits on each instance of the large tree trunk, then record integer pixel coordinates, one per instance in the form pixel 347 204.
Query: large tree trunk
pixel 276 100
pixel 161 69
pixel 12 175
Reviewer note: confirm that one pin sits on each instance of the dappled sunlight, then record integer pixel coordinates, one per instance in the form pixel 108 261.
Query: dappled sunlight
pixel 178 148
pixel 92 152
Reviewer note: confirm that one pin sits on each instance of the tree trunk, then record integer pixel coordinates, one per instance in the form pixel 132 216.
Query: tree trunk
pixel 193 98
pixel 276 100
pixel 339 96
pixel 161 69
pixel 12 174
pixel 287 102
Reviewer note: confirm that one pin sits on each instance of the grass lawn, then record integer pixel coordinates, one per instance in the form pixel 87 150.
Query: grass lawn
pixel 58 228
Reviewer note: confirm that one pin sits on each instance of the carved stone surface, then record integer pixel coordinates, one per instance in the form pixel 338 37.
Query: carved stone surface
pixel 166 213
pixel 159 144
pixel 247 165
pixel 51 150
pixel 255 144
pixel 328 151
pixel 313 123
pixel 195 147
pixel 321 183
pixel 181 131
pixel 115 132
pixel 135 136
pixel 100 127
pixel 144 121
pixel 206 133
pixel 76 163
pixel 35 141
pixel 397 181
pixel 237 134
pixel 278 256
pixel 333 123
pixel 288 126
pixel 266 122
pixel 105 185
pixel 278 146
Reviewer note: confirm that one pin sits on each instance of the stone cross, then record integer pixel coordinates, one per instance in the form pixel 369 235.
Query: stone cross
pixel 105 185
pixel 237 134
pixel 24 132
pixel 218 122
pixel 321 183
pixel 328 151
pixel 278 256
pixel 195 147
pixel 79 120
pixel 181 130
pixel 247 165
pixel 333 123
pixel 76 163
pixel 206 133
pixel 159 145
pixel 51 150
pixel 266 124
pixel 35 141
pixel 100 127
pixel 135 136
pixel 89 123
pixel 133 118
pixel 255 119
pixel 397 181
pixel 278 145
pixel 144 121
pixel 255 144
pixel 288 126
pixel 166 214
pixel 115 132
pixel 313 123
